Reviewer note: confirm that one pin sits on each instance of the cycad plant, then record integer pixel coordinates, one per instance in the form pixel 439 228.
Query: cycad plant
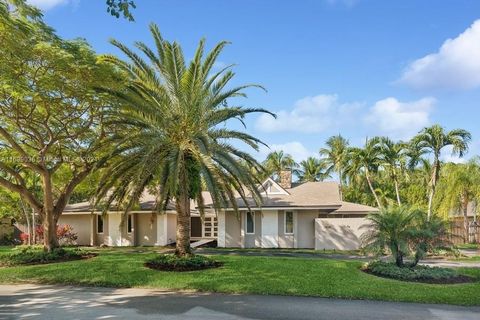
pixel 174 136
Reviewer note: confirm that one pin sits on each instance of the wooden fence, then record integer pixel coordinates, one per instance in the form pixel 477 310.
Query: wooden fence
pixel 457 231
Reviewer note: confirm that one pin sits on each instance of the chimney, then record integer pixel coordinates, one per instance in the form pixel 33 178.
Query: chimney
pixel 285 179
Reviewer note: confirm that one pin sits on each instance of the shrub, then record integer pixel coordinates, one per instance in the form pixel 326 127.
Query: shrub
pixel 36 255
pixel 405 232
pixel 65 234
pixel 169 262
pixel 418 273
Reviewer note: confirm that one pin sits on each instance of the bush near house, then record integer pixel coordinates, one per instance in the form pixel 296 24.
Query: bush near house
pixel 418 273
pixel 169 262
pixel 65 235
pixel 24 255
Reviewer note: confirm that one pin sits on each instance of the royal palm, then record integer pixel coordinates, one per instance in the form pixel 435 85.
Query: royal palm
pixel 434 139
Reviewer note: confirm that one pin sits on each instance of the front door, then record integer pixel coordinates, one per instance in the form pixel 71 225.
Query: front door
pixel 196 227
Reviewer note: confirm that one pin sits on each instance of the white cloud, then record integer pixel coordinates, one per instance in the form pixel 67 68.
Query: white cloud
pixel 296 149
pixel 309 115
pixel 448 157
pixel 400 120
pixel 47 4
pixel 456 65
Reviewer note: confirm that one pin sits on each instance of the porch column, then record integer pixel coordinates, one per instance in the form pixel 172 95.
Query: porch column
pixel 162 229
pixel 242 229
pixel 295 229
pixel 221 229
pixel 93 229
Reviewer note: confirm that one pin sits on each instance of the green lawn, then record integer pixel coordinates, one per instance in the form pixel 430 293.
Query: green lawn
pixel 259 275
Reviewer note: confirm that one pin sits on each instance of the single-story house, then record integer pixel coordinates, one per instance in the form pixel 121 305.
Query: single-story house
pixel 292 215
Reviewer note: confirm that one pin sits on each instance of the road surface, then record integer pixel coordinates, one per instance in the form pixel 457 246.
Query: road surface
pixel 64 302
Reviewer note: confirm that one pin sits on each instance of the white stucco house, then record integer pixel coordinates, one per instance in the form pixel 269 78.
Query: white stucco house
pixel 293 215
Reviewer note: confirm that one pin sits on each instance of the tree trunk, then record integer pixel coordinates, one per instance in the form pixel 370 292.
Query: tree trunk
pixel 433 184
pixel 340 178
pixel 373 190
pixel 465 222
pixel 397 190
pixel 50 240
pixel 183 218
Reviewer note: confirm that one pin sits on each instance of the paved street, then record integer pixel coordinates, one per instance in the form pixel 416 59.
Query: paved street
pixel 61 302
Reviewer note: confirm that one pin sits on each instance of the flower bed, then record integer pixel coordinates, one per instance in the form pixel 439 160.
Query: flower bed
pixel 170 262
pixel 418 273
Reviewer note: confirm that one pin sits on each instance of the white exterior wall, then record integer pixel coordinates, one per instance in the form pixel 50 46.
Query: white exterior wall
pixel 221 229
pixel 269 229
pixel 117 237
pixel 339 233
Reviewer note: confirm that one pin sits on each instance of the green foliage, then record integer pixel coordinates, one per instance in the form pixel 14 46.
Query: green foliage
pixel 169 262
pixel 312 170
pixel 417 273
pixel 335 155
pixel 121 7
pixel 37 255
pixel 404 232
pixel 278 161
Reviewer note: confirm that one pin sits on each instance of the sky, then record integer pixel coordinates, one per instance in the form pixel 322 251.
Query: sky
pixel 358 68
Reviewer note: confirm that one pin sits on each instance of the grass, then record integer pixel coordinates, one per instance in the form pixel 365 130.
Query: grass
pixel 468 246
pixel 274 250
pixel 240 274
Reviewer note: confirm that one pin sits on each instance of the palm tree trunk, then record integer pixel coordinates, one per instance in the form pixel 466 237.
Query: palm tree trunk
pixel 397 190
pixel 373 190
pixel 465 220
pixel 433 184
pixel 340 178
pixel 183 218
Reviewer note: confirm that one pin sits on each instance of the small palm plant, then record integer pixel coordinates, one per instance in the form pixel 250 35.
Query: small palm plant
pixel 173 136
pixel 404 232
pixel 390 228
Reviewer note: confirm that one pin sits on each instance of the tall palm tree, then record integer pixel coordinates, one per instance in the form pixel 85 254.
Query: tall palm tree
pixel 393 160
pixel 459 187
pixel 312 170
pixel 278 161
pixel 365 162
pixel 171 115
pixel 434 139
pixel 335 155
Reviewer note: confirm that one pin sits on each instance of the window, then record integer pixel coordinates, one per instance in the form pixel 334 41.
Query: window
pixel 250 222
pixel 289 222
pixel 129 224
pixel 99 223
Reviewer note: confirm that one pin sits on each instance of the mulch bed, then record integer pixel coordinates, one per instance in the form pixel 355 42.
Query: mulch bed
pixel 162 267
pixel 452 280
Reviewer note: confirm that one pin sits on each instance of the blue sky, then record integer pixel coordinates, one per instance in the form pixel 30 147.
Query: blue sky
pixel 356 67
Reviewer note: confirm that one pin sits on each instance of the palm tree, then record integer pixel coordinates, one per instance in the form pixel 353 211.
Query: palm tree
pixel 393 160
pixel 335 155
pixel 312 170
pixel 459 187
pixel 278 161
pixel 171 115
pixel 365 162
pixel 434 139
pixel 390 228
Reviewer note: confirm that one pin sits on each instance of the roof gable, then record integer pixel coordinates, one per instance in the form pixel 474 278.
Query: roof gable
pixel 270 187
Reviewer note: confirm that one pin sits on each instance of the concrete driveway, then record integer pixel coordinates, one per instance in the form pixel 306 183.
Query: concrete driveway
pixel 60 302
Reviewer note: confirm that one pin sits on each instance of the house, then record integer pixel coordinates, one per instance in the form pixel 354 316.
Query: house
pixel 292 215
